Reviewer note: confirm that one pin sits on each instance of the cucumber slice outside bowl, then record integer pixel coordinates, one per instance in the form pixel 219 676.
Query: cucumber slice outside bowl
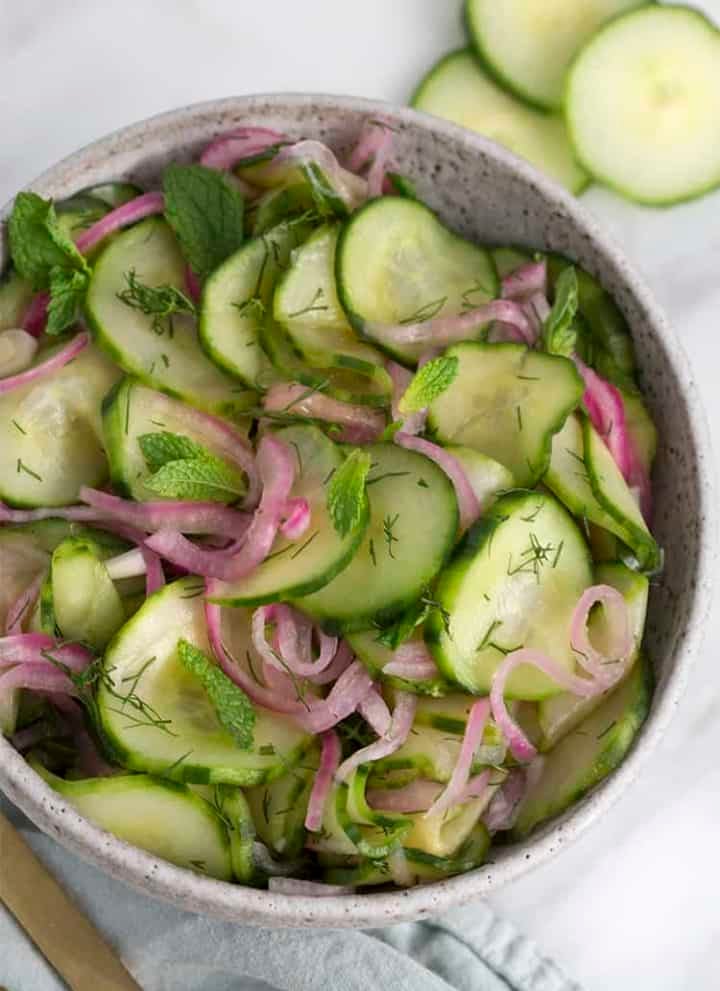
pixel 527 46
pixel 642 102
pixel 458 89
pixel 176 733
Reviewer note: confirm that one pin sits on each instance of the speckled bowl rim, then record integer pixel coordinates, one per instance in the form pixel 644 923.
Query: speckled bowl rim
pixel 256 907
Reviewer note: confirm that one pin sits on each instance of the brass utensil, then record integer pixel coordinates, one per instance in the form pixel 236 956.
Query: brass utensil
pixel 65 937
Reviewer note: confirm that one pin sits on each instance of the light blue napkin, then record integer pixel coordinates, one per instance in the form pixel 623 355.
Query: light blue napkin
pixel 167 950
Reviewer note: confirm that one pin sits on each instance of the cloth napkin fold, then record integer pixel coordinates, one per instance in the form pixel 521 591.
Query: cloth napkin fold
pixel 165 949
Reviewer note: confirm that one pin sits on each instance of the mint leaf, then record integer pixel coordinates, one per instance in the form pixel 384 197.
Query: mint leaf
pixel 37 243
pixel 429 382
pixel 158 302
pixel 559 334
pixel 234 709
pixel 198 480
pixel 347 499
pixel 206 212
pixel 161 447
pixel 67 291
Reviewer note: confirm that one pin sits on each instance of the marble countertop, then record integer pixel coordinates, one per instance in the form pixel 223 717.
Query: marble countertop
pixel 632 906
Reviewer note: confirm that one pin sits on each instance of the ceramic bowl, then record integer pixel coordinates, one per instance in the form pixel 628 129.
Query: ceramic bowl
pixel 485 193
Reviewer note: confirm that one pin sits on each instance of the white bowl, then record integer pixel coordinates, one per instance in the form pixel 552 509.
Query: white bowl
pixel 485 193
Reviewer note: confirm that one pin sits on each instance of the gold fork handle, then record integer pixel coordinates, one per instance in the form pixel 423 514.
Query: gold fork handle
pixel 65 937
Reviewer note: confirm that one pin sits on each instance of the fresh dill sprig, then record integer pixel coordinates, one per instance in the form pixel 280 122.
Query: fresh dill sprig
pixel 159 302
pixel 388 533
pixel 426 312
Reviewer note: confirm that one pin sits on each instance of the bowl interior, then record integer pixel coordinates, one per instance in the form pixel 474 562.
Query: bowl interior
pixel 486 194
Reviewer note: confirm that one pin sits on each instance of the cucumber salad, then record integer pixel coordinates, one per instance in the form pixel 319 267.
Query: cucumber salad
pixel 324 532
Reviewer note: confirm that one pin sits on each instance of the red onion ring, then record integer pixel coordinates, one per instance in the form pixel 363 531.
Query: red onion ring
pixel 458 783
pixel 616 611
pixel 53 364
pixel 468 504
pixel 442 331
pixel 330 755
pixel 396 734
pixel 18 609
pixel 375 712
pixel 361 424
pixel 229 149
pixel 142 206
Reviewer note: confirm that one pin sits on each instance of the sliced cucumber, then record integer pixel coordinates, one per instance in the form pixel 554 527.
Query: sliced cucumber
pixel 588 495
pixel 341 383
pixel 559 715
pixel 15 297
pixel 169 357
pixel 583 758
pixel 514 582
pixel 614 496
pixel 50 432
pixel 235 300
pixel 458 89
pixel 507 402
pixel 373 834
pixel 392 568
pixel 306 305
pixel 605 342
pixel 642 104
pixel 279 808
pixel 162 817
pixel 529 47
pixel 174 731
pixel 279 205
pixel 130 410
pixel 396 263
pixel 375 655
pixel 444 833
pixel 295 568
pixel 232 807
pixel 642 430
pixel 86 605
pixel 488 478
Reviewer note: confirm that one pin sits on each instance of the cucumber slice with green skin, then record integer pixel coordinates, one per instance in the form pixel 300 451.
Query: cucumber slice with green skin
pixel 162 817
pixel 559 715
pixel 506 260
pixel 341 383
pixel 642 430
pixel 373 834
pixel 642 101
pixel 306 305
pixel 569 478
pixel 392 568
pixel 15 296
pixel 423 866
pixel 513 582
pixel 375 655
pixel 488 478
pixel 443 833
pixel 113 194
pixel 50 432
pixel 507 402
pixel 608 346
pixel 586 756
pixel 279 205
pixel 396 263
pixel 232 807
pixel 85 603
pixel 279 808
pixel 458 89
pixel 613 495
pixel 235 300
pixel 130 410
pixel 191 745
pixel 529 47
pixel 296 568
pixel 172 360
pixel 429 752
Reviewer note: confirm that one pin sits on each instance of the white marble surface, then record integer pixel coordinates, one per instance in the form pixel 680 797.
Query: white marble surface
pixel 634 905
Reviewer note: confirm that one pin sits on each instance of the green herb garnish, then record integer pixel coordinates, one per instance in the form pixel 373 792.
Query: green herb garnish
pixel 347 496
pixel 234 709
pixel 159 302
pixel 429 382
